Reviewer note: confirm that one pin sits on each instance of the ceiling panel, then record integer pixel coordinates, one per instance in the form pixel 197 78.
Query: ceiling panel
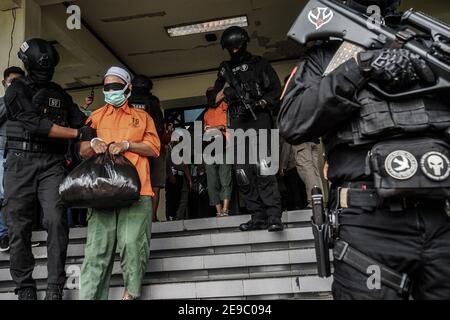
pixel 135 31
pixel 144 44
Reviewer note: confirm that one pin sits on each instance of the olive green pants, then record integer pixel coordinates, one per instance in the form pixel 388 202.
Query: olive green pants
pixel 219 182
pixel 129 230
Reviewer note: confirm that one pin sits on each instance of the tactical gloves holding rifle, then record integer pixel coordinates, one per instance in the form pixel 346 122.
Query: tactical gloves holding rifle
pixel 395 69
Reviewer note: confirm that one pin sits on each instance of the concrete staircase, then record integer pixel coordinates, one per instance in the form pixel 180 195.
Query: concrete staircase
pixel 205 259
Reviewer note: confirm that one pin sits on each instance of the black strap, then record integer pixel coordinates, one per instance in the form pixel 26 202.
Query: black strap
pixel 363 198
pixel 356 259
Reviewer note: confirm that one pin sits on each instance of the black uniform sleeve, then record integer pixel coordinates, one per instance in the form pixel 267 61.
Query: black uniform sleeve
pixel 273 88
pixel 157 115
pixel 315 104
pixel 19 107
pixel 2 111
pixel 77 118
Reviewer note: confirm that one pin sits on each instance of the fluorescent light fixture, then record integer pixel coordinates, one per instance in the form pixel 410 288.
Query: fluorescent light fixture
pixel 206 26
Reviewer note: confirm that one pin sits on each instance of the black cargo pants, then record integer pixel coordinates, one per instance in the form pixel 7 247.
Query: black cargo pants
pixel 261 194
pixel 31 178
pixel 415 241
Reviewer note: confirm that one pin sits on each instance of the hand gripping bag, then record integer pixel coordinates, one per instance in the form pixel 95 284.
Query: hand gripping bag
pixel 104 181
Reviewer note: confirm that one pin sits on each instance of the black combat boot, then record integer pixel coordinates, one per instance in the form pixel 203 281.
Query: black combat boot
pixel 275 225
pixel 27 293
pixel 253 225
pixel 54 293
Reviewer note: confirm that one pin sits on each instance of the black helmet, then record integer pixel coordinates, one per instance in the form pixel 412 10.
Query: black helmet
pixel 38 54
pixel 142 82
pixel 234 37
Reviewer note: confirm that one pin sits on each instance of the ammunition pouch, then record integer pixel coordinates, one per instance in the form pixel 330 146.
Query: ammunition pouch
pixel 52 104
pixel 239 111
pixel 415 167
pixel 379 119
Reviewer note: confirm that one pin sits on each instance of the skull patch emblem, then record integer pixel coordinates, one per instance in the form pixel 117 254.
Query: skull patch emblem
pixel 435 166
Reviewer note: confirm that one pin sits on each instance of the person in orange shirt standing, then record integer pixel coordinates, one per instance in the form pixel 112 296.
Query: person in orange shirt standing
pixel 120 129
pixel 218 175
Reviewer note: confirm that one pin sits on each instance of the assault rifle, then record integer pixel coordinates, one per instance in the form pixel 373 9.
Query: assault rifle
pixel 419 33
pixel 228 75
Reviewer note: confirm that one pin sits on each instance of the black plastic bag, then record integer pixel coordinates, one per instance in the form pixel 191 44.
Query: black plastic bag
pixel 104 181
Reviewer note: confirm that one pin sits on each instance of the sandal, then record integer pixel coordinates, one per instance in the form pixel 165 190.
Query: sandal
pixel 225 213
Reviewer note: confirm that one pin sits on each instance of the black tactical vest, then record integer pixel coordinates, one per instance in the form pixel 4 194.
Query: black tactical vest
pixel 51 102
pixel 254 81
pixel 379 119
pixel 139 102
pixel 149 103
pixel 52 105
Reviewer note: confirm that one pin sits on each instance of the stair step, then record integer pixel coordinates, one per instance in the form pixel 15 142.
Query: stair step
pixel 160 229
pixel 248 288
pixel 208 262
pixel 204 259
pixel 199 241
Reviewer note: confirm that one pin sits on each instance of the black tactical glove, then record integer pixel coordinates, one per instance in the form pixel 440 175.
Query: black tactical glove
pixel 87 133
pixel 230 94
pixel 396 69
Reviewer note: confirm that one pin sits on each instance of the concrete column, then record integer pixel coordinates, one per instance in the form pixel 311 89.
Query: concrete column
pixel 10 40
pixel 19 20
pixel 33 19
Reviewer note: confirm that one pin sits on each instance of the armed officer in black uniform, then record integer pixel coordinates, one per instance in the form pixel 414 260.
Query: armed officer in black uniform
pixel 42 118
pixel 142 98
pixel 388 165
pixel 262 89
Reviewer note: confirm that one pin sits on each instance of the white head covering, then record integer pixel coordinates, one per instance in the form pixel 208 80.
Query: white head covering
pixel 119 72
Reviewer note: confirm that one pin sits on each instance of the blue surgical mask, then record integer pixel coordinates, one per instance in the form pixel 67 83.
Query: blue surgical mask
pixel 116 98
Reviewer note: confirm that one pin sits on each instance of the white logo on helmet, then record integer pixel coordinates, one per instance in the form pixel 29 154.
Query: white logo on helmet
pixel 320 16
pixel 435 166
pixel 24 47
pixel 401 165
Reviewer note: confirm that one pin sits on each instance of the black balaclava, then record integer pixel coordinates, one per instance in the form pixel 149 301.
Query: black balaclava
pixel 236 38
pixel 41 76
pixel 40 59
pixel 239 56
pixel 141 85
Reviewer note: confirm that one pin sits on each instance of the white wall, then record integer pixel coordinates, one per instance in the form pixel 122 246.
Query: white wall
pixel 6 23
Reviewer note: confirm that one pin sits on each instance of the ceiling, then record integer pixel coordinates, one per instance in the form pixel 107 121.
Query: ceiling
pixel 133 32
pixel 142 42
